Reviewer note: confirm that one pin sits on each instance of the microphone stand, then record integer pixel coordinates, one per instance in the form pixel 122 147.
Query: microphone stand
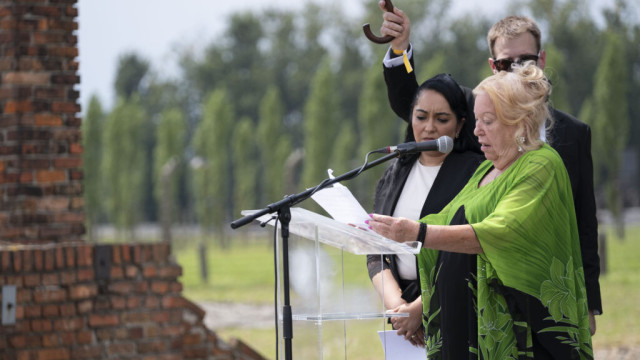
pixel 283 208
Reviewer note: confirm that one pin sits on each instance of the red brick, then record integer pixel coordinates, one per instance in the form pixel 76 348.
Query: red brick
pixel 27 260
pixel 24 296
pixel 172 330
pixel 68 338
pixel 126 253
pixel 160 287
pixel 156 346
pixel 170 271
pixel 116 254
pixel 121 349
pixel 79 292
pixel 75 148
pixel 131 271
pixel 136 333
pixel 50 340
pixel 149 271
pixel 15 107
pixel 50 311
pixel 49 256
pixel 103 335
pixel 117 273
pixel 32 280
pixel 41 325
pixel 67 277
pixel 152 302
pixel 50 279
pixel 97 320
pixel 69 324
pixel 176 287
pixel 6 261
pixel 141 287
pixel 53 354
pixel 85 306
pixel 25 78
pixel 59 258
pixel 68 309
pixel 173 301
pixel 135 317
pixel 50 295
pixel 71 259
pixel 17 261
pixel 194 353
pixel 32 311
pixel 133 302
pixel 38 260
pixel 85 255
pixel 47 120
pixel 84 337
pixel 118 303
pixel 160 317
pixel 67 163
pixel 65 107
pixel 120 287
pixel 19 312
pixel 85 275
pixel 51 176
pixel 161 252
pixel 18 341
pixel 86 352
pixel 191 339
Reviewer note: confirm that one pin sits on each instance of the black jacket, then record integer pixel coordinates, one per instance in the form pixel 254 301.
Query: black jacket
pixel 454 174
pixel 570 137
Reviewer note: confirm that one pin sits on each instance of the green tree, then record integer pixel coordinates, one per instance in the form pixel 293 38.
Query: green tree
pixel 274 144
pixel 344 150
pixel 555 68
pixel 124 164
pixel 213 178
pixel 321 118
pixel 91 160
pixel 377 125
pixel 609 118
pixel 129 74
pixel 170 144
pixel 245 166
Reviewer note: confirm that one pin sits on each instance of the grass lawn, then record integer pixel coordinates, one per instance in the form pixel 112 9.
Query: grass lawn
pixel 244 273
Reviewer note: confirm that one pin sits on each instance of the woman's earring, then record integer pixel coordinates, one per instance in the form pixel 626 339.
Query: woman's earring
pixel 521 143
pixel 457 135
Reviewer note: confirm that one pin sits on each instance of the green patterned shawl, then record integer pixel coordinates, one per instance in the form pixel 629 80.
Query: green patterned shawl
pixel 526 225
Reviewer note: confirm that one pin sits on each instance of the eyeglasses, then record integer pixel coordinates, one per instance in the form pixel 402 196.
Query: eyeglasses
pixel 505 64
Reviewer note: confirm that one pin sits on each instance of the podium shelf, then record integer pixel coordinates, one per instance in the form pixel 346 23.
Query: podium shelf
pixel 345 316
pixel 310 225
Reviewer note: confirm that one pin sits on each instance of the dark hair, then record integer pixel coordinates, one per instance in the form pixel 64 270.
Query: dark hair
pixel 446 86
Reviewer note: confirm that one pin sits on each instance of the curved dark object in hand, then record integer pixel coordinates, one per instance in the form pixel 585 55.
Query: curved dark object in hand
pixel 367 29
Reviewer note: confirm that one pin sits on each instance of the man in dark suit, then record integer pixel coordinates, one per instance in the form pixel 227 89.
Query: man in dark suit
pixel 514 39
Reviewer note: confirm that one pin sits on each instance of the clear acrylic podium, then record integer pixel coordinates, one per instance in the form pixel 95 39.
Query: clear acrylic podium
pixel 330 287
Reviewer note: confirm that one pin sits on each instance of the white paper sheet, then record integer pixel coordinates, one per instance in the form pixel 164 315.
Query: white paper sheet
pixel 397 348
pixel 340 203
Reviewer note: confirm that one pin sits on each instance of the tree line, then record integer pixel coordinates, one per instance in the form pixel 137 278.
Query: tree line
pixel 284 95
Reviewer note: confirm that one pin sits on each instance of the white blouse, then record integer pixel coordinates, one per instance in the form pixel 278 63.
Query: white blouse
pixel 410 203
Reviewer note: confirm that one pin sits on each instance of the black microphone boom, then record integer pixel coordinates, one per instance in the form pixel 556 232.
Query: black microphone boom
pixel 443 144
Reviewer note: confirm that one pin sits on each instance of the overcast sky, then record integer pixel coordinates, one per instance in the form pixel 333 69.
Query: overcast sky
pixel 154 29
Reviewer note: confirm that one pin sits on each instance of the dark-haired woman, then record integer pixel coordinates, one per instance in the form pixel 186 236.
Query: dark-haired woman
pixel 416 185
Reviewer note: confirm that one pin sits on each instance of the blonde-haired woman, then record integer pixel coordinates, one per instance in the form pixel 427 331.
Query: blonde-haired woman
pixel 524 294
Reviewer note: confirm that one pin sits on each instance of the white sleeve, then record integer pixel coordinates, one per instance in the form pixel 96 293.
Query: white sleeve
pixel 390 62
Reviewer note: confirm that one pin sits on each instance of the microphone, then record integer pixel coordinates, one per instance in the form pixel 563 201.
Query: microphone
pixel 443 144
